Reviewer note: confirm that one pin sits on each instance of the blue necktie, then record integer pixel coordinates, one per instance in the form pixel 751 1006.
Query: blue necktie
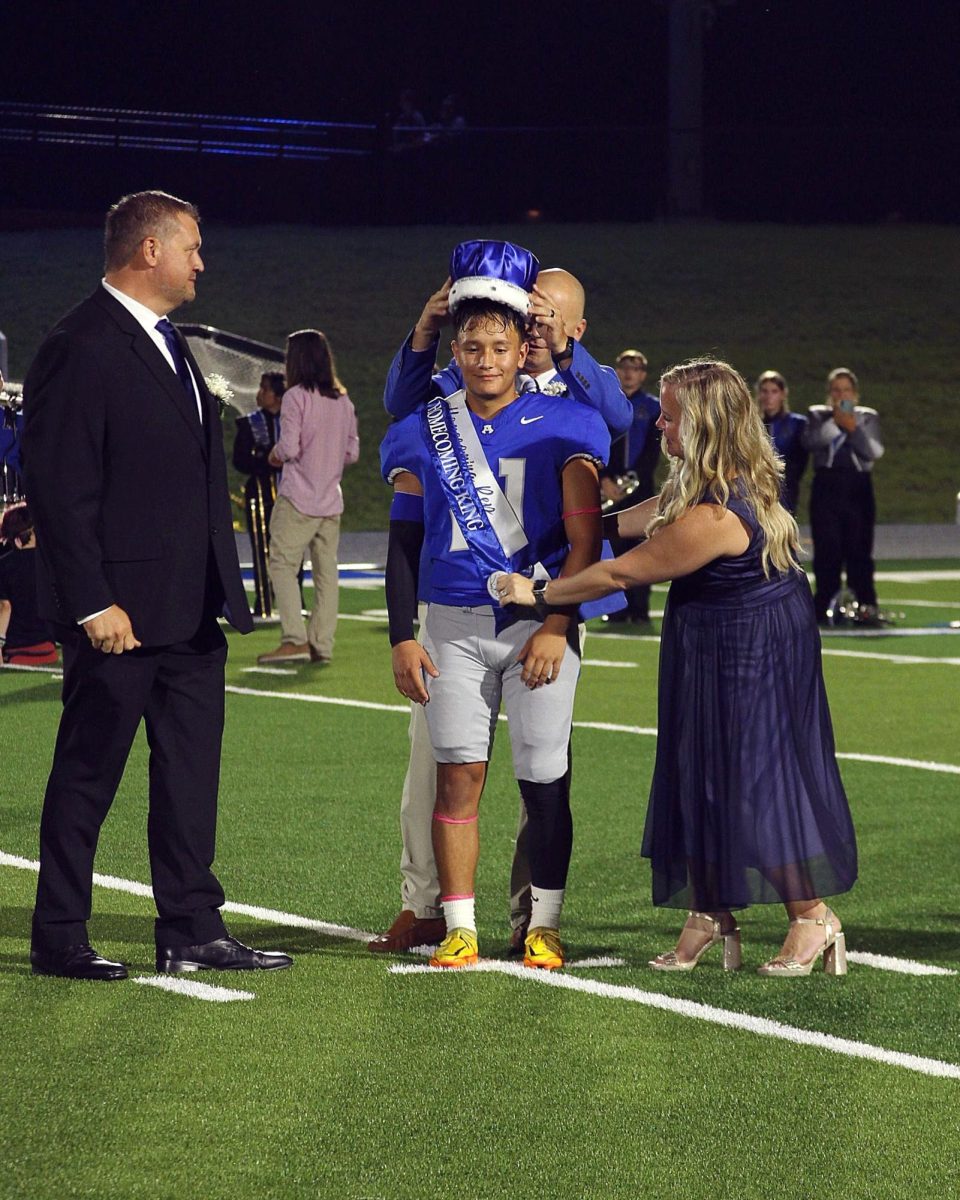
pixel 169 335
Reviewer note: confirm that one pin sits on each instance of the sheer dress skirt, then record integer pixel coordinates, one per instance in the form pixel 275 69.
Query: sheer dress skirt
pixel 746 804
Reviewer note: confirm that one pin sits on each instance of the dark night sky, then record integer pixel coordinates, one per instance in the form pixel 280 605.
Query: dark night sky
pixel 783 62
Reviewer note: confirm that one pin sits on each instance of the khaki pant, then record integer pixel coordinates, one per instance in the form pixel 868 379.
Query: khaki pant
pixel 291 535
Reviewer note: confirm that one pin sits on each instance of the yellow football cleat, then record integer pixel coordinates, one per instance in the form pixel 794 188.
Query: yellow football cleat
pixel 543 949
pixel 458 949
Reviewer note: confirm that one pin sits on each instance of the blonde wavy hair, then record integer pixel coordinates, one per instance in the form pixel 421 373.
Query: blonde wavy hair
pixel 724 439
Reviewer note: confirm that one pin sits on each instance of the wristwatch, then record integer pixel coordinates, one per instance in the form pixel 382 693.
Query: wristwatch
pixel 566 352
pixel 539 597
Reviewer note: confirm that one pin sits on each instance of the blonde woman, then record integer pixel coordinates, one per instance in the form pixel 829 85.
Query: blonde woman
pixel 746 804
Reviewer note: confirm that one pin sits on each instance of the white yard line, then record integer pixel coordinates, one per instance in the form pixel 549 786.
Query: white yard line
pixel 903 966
pixel 888 603
pixel 687 1008
pixel 275 916
pixel 897 659
pixel 891 631
pixel 946 576
pixel 703 1012
pixel 605 662
pixel 603 726
pixel 598 635
pixel 194 989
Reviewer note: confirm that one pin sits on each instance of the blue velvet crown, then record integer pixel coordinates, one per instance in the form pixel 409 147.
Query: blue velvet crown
pixel 498 271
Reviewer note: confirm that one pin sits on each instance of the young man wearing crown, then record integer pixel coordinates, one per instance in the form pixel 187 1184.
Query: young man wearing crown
pixel 556 365
pixel 496 477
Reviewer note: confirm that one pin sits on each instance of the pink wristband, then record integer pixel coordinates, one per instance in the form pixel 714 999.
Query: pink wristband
pixel 581 512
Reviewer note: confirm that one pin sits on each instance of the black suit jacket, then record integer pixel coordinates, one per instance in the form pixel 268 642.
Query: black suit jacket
pixel 128 489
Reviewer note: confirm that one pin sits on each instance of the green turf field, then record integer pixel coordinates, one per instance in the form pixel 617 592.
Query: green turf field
pixel 344 1078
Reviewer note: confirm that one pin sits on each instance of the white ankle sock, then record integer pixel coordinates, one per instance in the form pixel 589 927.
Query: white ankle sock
pixel 458 912
pixel 546 907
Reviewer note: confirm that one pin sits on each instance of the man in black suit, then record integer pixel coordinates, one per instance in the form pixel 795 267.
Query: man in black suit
pixel 127 481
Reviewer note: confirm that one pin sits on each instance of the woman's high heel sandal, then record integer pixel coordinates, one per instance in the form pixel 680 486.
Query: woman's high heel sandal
pixel 834 951
pixel 732 957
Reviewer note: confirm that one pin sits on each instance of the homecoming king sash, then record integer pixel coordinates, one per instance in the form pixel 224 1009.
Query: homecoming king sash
pixel 490 527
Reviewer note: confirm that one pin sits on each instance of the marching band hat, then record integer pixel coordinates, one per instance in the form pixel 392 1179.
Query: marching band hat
pixel 498 271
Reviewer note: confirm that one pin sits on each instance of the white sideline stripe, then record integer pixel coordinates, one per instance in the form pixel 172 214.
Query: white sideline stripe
pixel 426 951
pixel 704 1012
pixel 308 699
pixel 895 658
pixel 51 670
pixel 272 915
pixel 923 631
pixel 891 632
pixel 904 966
pixel 603 726
pixel 923 603
pixel 605 662
pixel 294 921
pixel 889 761
pixel 948 576
pixel 269 671
pixel 190 987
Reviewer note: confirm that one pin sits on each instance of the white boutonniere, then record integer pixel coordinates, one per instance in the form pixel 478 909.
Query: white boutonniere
pixel 556 387
pixel 219 388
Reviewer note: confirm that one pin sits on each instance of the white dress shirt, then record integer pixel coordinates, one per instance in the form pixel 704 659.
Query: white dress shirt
pixel 148 319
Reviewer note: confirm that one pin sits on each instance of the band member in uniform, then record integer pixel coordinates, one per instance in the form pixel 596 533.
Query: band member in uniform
pixel 257 434
pixel 786 430
pixel 11 429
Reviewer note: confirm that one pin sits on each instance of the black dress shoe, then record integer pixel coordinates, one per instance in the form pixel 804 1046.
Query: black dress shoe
pixel 225 954
pixel 75 962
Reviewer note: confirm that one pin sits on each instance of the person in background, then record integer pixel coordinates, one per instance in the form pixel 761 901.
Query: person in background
pixel 409 125
pixel 11 431
pixel 318 438
pixel 746 805
pixel 844 439
pixel 786 431
pixel 450 121
pixel 24 636
pixel 635 454
pixel 257 434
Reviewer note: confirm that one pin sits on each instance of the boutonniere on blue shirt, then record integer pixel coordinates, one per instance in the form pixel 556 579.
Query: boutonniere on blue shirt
pixel 220 389
pixel 556 387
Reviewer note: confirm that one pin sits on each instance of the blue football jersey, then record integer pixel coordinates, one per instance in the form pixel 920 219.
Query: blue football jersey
pixel 527 444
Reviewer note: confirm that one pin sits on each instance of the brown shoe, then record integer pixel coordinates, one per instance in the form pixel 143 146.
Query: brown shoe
pixel 286 652
pixel 317 657
pixel 516 947
pixel 407 931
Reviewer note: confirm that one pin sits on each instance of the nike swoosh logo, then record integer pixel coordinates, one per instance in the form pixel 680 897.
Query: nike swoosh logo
pixel 530 420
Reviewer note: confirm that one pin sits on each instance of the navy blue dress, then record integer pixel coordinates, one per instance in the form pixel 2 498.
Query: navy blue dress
pixel 746 804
